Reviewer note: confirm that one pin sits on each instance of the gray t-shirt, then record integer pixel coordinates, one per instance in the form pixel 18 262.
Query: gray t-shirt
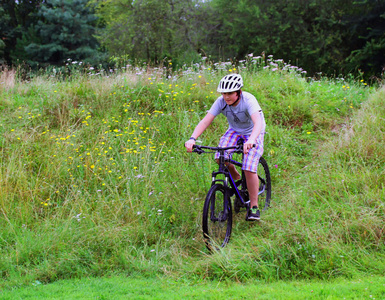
pixel 239 117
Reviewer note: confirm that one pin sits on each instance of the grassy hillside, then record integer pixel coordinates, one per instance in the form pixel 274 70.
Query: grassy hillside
pixel 95 179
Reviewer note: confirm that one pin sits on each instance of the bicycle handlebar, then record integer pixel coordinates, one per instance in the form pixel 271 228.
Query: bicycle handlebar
pixel 199 149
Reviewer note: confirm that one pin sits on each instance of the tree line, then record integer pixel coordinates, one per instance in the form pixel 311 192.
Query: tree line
pixel 329 36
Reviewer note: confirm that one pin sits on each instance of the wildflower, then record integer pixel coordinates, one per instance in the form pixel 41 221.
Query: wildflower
pixel 78 218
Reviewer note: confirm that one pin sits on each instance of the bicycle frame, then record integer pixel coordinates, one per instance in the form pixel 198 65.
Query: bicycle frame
pixel 228 182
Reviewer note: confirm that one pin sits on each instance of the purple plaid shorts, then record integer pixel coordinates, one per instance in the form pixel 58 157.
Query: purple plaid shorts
pixel 251 159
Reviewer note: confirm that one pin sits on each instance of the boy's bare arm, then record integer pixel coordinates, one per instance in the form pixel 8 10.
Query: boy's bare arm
pixel 199 129
pixel 257 120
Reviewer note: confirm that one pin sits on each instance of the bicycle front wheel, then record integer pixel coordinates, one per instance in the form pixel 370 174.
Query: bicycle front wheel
pixel 264 194
pixel 217 217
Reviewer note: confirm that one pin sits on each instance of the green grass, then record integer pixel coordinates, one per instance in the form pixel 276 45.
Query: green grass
pixel 167 288
pixel 94 179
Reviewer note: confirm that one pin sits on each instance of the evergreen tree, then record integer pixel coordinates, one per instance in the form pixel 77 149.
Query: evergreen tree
pixel 65 31
pixel 15 19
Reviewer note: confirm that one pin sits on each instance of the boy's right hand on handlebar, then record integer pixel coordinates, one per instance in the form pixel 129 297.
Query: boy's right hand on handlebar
pixel 189 145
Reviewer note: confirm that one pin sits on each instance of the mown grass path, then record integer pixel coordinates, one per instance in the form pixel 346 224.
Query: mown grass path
pixel 165 288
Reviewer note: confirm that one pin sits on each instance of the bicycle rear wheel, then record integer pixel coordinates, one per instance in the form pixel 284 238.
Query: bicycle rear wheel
pixel 217 217
pixel 264 194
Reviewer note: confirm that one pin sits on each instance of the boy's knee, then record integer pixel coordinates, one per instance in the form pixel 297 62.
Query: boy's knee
pixel 250 172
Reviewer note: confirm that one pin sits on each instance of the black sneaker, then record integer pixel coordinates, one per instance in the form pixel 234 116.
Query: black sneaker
pixel 254 214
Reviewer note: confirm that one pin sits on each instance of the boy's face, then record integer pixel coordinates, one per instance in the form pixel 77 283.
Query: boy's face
pixel 230 98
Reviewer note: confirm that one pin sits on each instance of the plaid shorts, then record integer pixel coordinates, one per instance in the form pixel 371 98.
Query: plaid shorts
pixel 251 159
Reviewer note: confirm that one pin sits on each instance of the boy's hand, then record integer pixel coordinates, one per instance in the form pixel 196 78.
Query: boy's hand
pixel 189 145
pixel 247 146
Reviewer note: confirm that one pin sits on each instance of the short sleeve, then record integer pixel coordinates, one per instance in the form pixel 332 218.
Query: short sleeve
pixel 252 105
pixel 216 108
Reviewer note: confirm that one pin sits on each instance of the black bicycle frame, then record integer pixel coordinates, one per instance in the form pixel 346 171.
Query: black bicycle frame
pixel 225 171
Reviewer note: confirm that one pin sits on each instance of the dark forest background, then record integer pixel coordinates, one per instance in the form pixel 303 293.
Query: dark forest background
pixel 330 36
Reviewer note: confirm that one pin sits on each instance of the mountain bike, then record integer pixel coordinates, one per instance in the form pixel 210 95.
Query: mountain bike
pixel 217 217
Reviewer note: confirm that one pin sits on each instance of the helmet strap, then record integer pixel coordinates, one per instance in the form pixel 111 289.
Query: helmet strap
pixel 239 97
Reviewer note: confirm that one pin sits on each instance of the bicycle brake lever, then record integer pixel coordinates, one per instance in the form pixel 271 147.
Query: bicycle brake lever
pixel 198 150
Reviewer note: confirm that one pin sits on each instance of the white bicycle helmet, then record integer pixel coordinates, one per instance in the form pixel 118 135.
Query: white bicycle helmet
pixel 230 83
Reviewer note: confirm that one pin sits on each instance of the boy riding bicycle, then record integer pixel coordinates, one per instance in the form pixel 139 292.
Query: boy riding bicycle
pixel 246 120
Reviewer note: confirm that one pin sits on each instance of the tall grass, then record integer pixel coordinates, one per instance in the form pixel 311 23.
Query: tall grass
pixel 95 179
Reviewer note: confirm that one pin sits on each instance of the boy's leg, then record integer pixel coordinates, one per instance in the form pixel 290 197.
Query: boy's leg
pixel 252 181
pixel 250 166
pixel 234 172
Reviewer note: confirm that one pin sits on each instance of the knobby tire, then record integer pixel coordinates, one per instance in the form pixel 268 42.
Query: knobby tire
pixel 217 218
pixel 264 199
